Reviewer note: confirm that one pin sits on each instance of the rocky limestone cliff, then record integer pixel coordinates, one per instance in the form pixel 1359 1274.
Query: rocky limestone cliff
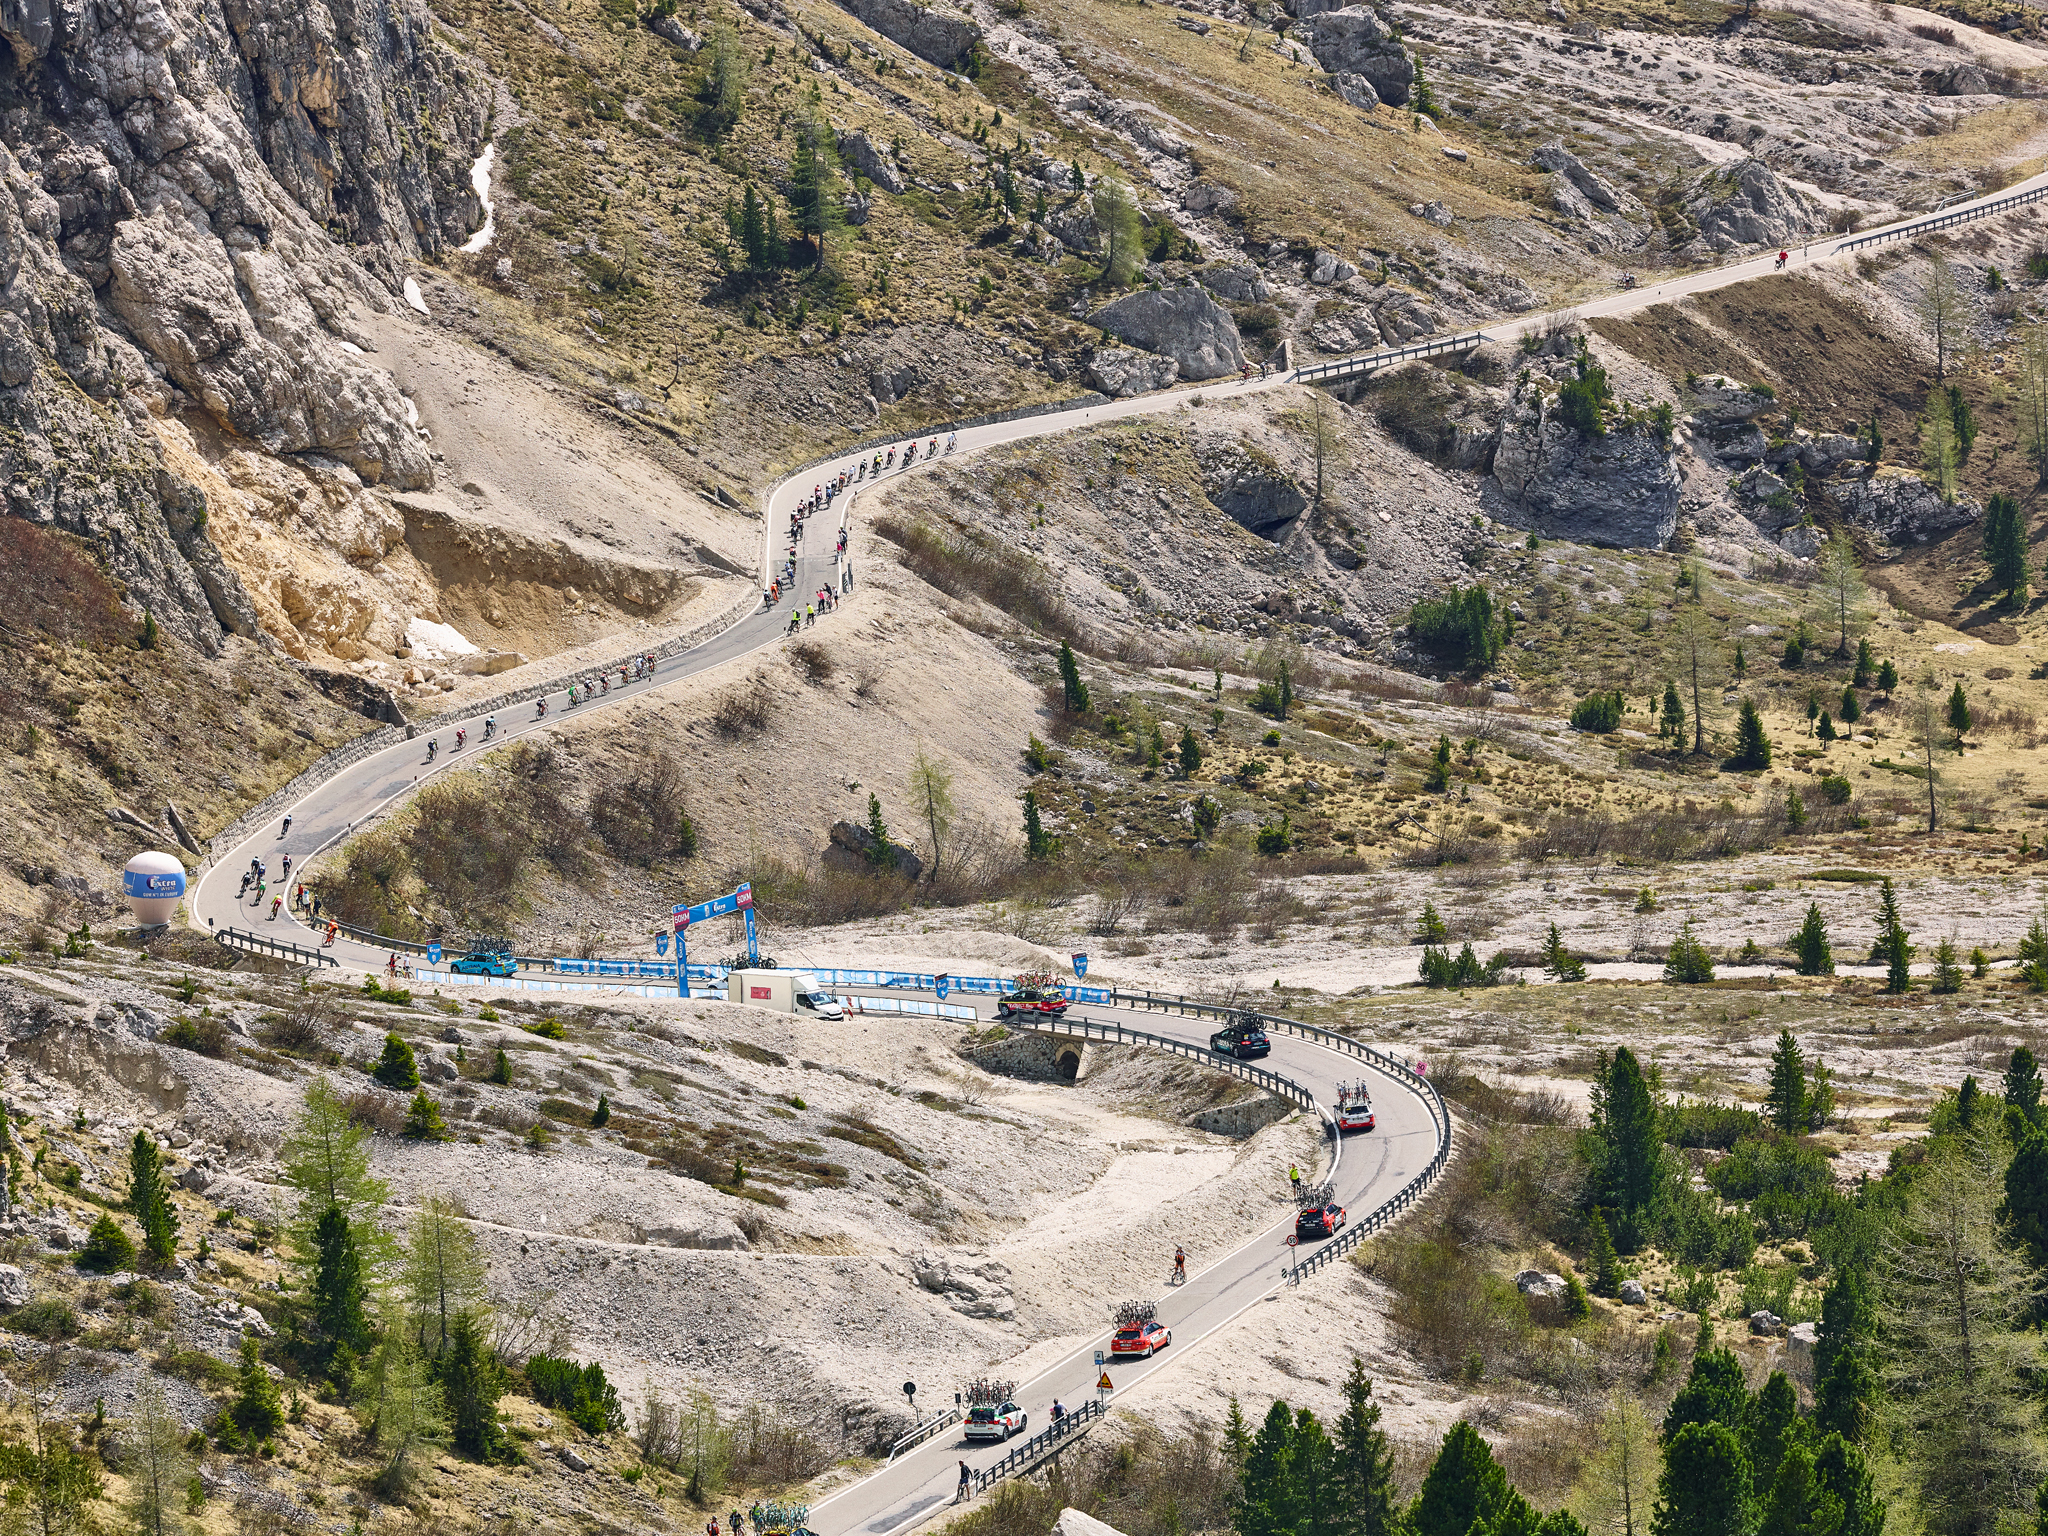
pixel 1184 324
pixel 181 179
pixel 1619 490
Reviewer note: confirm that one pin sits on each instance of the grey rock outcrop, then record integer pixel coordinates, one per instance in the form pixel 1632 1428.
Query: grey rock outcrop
pixel 1184 324
pixel 1329 268
pixel 970 1283
pixel 15 1290
pixel 191 214
pixel 1433 212
pixel 1246 484
pixel 1632 1294
pixel 1583 195
pixel 1747 204
pixel 1123 371
pixel 1208 197
pixel 854 848
pixel 1540 1283
pixel 941 37
pixel 1901 508
pixel 1404 316
pixel 868 158
pixel 1720 401
pixel 669 30
pixel 1800 1340
pixel 1355 91
pixel 1354 41
pixel 1620 490
pixel 1244 284
pixel 1350 332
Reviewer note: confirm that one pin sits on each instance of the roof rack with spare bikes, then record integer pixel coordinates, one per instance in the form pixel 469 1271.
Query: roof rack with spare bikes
pixel 1129 1313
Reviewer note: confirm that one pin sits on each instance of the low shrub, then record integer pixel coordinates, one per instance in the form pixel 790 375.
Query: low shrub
pixel 580 1391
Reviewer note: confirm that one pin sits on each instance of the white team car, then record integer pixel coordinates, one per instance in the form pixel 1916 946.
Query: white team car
pixel 987 1422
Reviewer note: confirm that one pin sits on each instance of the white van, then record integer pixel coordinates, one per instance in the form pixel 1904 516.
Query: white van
pixel 784 991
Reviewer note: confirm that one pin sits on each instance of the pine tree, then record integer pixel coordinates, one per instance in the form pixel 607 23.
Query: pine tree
pixel 1887 678
pixel 1365 1463
pixel 423 1120
pixel 403 1402
pixel 1752 746
pixel 1627 1130
pixel 2005 546
pixel 1739 664
pixel 1687 962
pixel 442 1277
pixel 1845 1399
pixel 1705 1487
pixel 601 1116
pixel 1865 664
pixel 1286 691
pixel 1036 844
pixel 396 1068
pixel 1959 713
pixel 814 178
pixel 1842 1471
pixel 754 232
pixel 1577 1306
pixel 1462 1484
pixel 1714 1393
pixel 1558 962
pixel 1793 1500
pixel 149 1198
pixel 1672 722
pixel 1190 752
pixel 2025 1209
pixel 1773 1428
pixel 1074 690
pixel 1852 710
pixel 1432 926
pixel 1263 1491
pixel 1826 729
pixel 1606 1262
pixel 2023 1084
pixel 1796 1102
pixel 1892 947
pixel 471 1383
pixel 1948 970
pixel 878 832
pixel 258 1410
pixel 1816 957
pixel 501 1071
pixel 155 1462
pixel 340 1289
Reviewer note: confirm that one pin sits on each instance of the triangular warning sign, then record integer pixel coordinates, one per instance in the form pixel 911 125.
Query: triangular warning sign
pixel 1103 1385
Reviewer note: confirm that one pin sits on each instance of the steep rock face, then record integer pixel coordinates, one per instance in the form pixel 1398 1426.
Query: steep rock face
pixel 1747 204
pixel 177 172
pixel 1609 214
pixel 1354 41
pixel 1247 485
pixel 1901 507
pixel 1620 490
pixel 940 37
pixel 1184 324
pixel 1122 371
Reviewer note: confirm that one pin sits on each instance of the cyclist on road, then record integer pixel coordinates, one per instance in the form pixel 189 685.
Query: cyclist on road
pixel 275 903
pixel 461 740
pixel 433 746
pixel 1180 1265
pixel 490 726
pixel 286 829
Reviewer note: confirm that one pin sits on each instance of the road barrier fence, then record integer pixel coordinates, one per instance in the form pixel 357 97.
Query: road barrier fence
pixel 1048 1441
pixel 923 1431
pixel 277 949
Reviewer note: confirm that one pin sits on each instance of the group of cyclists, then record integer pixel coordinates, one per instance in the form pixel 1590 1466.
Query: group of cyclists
pixel 821 498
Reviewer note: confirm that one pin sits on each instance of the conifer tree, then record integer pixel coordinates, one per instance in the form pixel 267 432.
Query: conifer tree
pixel 1752 746
pixel 1558 962
pixel 1365 1462
pixel 149 1198
pixel 1892 947
pixel 1816 957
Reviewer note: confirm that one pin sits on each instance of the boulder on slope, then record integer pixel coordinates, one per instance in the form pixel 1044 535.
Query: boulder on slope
pixel 1123 371
pixel 941 37
pixel 1354 41
pixel 1184 324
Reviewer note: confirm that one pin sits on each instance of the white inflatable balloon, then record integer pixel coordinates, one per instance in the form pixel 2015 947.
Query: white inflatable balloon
pixel 154 884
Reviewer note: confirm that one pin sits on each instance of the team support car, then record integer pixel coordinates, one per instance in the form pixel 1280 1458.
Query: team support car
pixel 1354 1109
pixel 1244 1041
pixel 1141 1339
pixel 1318 1221
pixel 485 962
pixel 995 1421
pixel 1029 1000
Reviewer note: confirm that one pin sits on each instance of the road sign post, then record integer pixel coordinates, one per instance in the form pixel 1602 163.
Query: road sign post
pixel 1103 1387
pixel 433 954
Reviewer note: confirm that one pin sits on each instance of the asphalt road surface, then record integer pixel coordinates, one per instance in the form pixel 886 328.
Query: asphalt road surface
pixel 1371 1166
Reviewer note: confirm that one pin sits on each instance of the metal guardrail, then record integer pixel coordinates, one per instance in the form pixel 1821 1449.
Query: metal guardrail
pixel 1359 1231
pixel 924 1431
pixel 255 943
pixel 1944 220
pixel 1088 1029
pixel 1372 362
pixel 1039 1446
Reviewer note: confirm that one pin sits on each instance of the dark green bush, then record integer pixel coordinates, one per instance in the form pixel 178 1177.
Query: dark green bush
pixel 1460 624
pixel 580 1391
pixel 1598 712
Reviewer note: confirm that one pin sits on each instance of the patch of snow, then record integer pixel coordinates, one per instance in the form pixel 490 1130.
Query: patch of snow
pixel 480 179
pixel 351 349
pixel 413 296
pixel 431 640
pixel 412 412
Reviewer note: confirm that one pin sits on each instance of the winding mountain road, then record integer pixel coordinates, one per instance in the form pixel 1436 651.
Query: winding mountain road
pixel 1368 1168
